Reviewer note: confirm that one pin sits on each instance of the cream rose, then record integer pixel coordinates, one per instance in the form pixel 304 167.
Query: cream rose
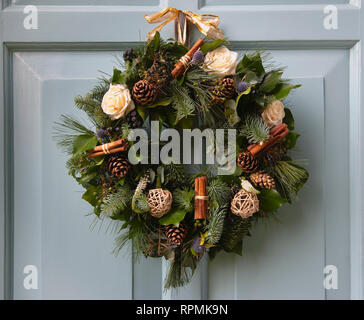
pixel 117 101
pixel 221 61
pixel 273 113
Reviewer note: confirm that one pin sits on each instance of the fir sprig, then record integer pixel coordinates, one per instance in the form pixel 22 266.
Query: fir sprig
pixel 183 198
pixel 215 226
pixel 255 129
pixel 116 202
pixel 218 192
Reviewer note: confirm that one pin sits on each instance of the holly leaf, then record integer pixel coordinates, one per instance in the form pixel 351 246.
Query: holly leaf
pixel 288 119
pixel 83 143
pixel 212 45
pixel 291 140
pixel 283 90
pixel 175 216
pixel 118 77
pixel 270 200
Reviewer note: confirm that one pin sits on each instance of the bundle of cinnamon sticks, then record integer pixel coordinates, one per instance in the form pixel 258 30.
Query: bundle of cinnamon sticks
pixel 109 148
pixel 276 134
pixel 181 66
pixel 201 198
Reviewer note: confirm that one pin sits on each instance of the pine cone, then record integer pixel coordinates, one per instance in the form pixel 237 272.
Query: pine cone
pixel 176 234
pixel 247 162
pixel 262 180
pixel 224 89
pixel 134 120
pixel 144 92
pixel 118 166
pixel 275 154
pixel 158 73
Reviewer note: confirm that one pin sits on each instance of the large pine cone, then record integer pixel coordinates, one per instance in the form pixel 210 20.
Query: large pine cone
pixel 274 154
pixel 158 73
pixel 224 89
pixel 118 166
pixel 144 92
pixel 247 162
pixel 176 234
pixel 262 180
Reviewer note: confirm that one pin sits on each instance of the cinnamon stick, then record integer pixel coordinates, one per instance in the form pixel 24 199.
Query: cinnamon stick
pixel 109 148
pixel 180 67
pixel 201 198
pixel 277 134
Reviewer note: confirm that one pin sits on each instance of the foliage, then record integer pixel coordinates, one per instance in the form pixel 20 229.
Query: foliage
pixel 215 226
pixel 255 129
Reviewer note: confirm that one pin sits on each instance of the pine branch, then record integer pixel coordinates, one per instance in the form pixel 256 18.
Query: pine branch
pixel 290 175
pixel 174 173
pixel 216 225
pixel 183 198
pixel 218 192
pixel 116 202
pixel 177 275
pixel 182 103
pixel 67 130
pixel 234 233
pixel 255 129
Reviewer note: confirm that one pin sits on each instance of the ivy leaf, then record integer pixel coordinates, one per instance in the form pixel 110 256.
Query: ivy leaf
pixel 118 77
pixel 271 81
pixel 288 119
pixel 283 90
pixel 175 216
pixel 291 140
pixel 212 45
pixel 142 111
pixel 91 195
pixel 156 41
pixel 83 143
pixel 270 200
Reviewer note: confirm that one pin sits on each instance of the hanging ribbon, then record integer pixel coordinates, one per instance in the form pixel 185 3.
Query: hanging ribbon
pixel 206 23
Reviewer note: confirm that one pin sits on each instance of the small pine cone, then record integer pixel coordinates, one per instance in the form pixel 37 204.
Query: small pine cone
pixel 275 154
pixel 134 120
pixel 118 166
pixel 247 162
pixel 144 92
pixel 158 73
pixel 262 180
pixel 224 89
pixel 176 234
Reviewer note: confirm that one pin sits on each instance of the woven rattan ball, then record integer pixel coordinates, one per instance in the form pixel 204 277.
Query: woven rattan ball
pixel 159 201
pixel 245 204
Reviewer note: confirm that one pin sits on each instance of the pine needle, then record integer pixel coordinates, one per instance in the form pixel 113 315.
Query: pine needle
pixel 216 225
pixel 255 129
pixel 183 198
pixel 116 202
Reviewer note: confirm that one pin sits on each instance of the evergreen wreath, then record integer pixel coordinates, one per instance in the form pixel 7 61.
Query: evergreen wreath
pixel 166 211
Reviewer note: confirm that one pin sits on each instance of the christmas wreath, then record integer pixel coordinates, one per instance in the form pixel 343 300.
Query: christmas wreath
pixel 167 209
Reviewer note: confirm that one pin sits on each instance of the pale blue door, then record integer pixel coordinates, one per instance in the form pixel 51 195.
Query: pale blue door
pixel 43 219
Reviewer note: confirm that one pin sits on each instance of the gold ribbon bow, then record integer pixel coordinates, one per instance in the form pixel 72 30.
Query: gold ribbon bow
pixel 206 23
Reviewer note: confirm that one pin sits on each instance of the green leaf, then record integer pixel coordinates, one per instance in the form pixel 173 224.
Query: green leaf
pixel 175 216
pixel 283 90
pixel 244 93
pixel 162 102
pixel 271 81
pixel 156 41
pixel 288 119
pixel 88 176
pixel 270 200
pixel 238 249
pixel 212 45
pixel 142 111
pixel 185 123
pixel 291 140
pixel 83 143
pixel 251 63
pixel 118 77
pixel 91 195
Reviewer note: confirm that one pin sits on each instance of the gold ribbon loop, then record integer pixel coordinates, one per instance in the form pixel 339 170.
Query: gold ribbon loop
pixel 206 23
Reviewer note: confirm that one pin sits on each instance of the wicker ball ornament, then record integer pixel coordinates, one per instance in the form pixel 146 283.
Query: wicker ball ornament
pixel 159 201
pixel 245 204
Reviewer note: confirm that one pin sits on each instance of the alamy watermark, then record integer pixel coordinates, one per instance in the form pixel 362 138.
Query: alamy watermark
pixel 330 17
pixel 330 277
pixel 31 19
pixel 220 147
pixel 31 279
